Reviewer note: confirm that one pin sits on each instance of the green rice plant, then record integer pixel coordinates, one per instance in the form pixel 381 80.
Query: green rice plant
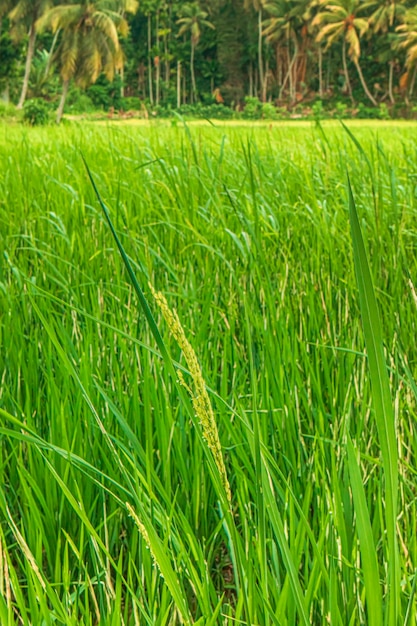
pixel 387 436
pixel 108 485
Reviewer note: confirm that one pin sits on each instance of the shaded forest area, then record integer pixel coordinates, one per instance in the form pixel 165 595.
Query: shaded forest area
pixel 160 55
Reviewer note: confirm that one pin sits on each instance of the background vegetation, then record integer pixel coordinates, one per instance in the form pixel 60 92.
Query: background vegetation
pixel 159 55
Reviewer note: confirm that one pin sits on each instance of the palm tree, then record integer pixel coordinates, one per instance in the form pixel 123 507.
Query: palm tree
pixel 147 9
pixel 408 37
pixel 24 16
pixel 257 6
pixel 339 20
pixel 89 41
pixel 382 21
pixel 287 23
pixel 5 7
pixel 192 20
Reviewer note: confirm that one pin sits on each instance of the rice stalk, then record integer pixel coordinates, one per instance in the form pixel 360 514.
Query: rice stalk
pixel 199 396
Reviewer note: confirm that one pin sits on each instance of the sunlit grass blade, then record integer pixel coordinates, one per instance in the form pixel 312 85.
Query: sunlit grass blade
pixel 411 602
pixel 383 406
pixel 369 164
pixel 278 527
pixel 369 558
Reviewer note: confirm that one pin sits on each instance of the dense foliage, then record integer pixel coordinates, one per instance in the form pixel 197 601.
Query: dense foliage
pixel 169 53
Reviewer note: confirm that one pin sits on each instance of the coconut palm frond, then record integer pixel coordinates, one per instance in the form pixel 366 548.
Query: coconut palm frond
pixel 102 23
pixel 408 36
pixel 90 37
pixel 59 17
pixel 68 55
pixel 354 45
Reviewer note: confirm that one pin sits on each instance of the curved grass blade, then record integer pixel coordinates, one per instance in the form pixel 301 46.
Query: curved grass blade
pixel 143 301
pixel 369 164
pixel 384 412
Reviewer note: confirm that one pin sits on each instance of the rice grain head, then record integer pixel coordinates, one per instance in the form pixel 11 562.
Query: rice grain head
pixel 199 396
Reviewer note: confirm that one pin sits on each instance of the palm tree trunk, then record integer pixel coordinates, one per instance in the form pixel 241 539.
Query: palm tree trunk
pixel 320 72
pixel 167 66
pixel 158 82
pixel 178 84
pixel 345 69
pixel 150 72
pixel 364 85
pixel 166 51
pixel 328 69
pixel 29 57
pixel 412 83
pixel 293 79
pixel 158 58
pixel 265 83
pixel 122 81
pixel 60 110
pixel 51 53
pixel 260 56
pixel 194 87
pixel 390 81
pixel 292 74
pixel 250 79
pixel 288 74
pixel 278 65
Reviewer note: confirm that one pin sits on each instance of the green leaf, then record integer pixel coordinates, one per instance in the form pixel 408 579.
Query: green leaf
pixel 366 541
pixel 381 397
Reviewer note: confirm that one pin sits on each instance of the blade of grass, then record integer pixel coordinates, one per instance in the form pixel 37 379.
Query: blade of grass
pixel 366 540
pixel 278 528
pixel 141 296
pixel 369 164
pixel 382 402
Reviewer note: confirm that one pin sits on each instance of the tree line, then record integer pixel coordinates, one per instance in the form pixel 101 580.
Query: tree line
pixel 172 53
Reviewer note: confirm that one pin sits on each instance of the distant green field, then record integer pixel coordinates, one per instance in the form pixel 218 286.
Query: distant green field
pixel 114 501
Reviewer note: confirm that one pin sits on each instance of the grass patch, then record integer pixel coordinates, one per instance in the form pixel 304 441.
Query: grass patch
pixel 114 505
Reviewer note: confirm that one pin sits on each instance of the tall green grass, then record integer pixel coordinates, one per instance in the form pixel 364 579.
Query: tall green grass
pixel 113 507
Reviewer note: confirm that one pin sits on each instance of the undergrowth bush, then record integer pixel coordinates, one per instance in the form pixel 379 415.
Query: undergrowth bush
pixel 36 112
pixel 318 110
pixel 341 111
pixel 79 102
pixel 131 104
pixel 252 109
pixel 7 110
pixel 269 111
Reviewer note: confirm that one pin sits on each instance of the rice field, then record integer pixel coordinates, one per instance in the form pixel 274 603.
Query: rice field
pixel 208 396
